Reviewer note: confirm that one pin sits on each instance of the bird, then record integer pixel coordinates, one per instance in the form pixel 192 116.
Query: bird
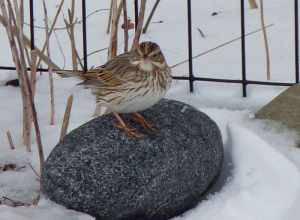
pixel 129 83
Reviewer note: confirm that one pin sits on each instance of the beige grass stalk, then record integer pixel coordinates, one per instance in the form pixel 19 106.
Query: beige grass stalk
pixel 51 30
pixel 139 28
pixel 114 31
pixel 70 28
pixel 10 20
pixel 33 55
pixel 31 99
pixel 267 50
pixel 109 17
pixel 253 4
pixel 51 84
pixel 27 43
pixel 14 16
pixel 116 14
pixel 125 18
pixel 66 119
pixel 71 25
pixel 10 140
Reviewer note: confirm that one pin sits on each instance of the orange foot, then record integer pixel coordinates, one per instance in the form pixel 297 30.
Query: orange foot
pixel 130 132
pixel 142 121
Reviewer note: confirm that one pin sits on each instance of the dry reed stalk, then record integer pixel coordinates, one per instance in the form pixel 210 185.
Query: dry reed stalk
pixel 109 17
pixel 10 140
pixel 70 28
pixel 51 30
pixel 17 55
pixel 66 119
pixel 75 50
pixel 22 27
pixel 51 84
pixel 219 46
pixel 125 18
pixel 70 25
pixel 33 56
pixel 112 52
pixel 113 49
pixel 253 4
pixel 27 43
pixel 139 28
pixel 267 50
pixel 14 18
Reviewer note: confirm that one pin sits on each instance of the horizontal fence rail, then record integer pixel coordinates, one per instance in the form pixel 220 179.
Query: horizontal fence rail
pixel 191 78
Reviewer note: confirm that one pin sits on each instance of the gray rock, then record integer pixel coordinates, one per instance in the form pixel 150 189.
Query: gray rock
pixel 100 171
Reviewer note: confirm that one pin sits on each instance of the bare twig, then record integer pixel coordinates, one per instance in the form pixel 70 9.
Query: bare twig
pixel 27 43
pixel 70 25
pixel 116 12
pixel 139 28
pixel 253 4
pixel 201 33
pixel 66 119
pixel 34 171
pixel 76 52
pixel 33 71
pixel 150 16
pixel 24 75
pixel 94 52
pixel 14 17
pixel 52 109
pixel 125 18
pixel 51 29
pixel 109 17
pixel 77 22
pixel 60 49
pixel 12 202
pixel 219 46
pixel 267 50
pixel 10 140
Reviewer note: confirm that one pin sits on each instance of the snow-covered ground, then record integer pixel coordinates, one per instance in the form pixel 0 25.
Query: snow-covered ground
pixel 261 171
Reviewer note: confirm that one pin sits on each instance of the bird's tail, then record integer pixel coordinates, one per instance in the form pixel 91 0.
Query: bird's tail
pixel 69 73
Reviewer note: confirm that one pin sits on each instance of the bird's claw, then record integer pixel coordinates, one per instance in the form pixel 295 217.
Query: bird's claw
pixel 130 132
pixel 145 124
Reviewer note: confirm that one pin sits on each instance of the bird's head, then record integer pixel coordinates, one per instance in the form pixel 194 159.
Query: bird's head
pixel 148 57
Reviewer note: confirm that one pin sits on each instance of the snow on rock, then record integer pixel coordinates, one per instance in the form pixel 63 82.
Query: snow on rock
pixel 264 185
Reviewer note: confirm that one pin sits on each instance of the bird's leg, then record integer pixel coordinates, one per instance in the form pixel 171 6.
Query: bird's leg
pixel 131 132
pixel 141 120
pixel 100 110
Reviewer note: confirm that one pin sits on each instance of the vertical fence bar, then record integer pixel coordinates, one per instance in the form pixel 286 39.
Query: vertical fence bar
pixel 296 41
pixel 190 45
pixel 136 13
pixel 85 62
pixel 243 49
pixel 31 11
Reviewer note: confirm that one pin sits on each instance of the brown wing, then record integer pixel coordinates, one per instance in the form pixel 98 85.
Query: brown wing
pixel 112 74
pixel 100 77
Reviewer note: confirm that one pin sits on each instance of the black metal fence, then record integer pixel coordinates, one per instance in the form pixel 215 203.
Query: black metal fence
pixel 244 81
pixel 190 78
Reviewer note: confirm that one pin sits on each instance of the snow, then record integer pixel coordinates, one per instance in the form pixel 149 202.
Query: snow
pixel 261 178
pixel 266 188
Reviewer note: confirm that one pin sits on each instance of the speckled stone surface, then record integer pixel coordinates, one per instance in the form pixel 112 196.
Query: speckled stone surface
pixel 99 171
